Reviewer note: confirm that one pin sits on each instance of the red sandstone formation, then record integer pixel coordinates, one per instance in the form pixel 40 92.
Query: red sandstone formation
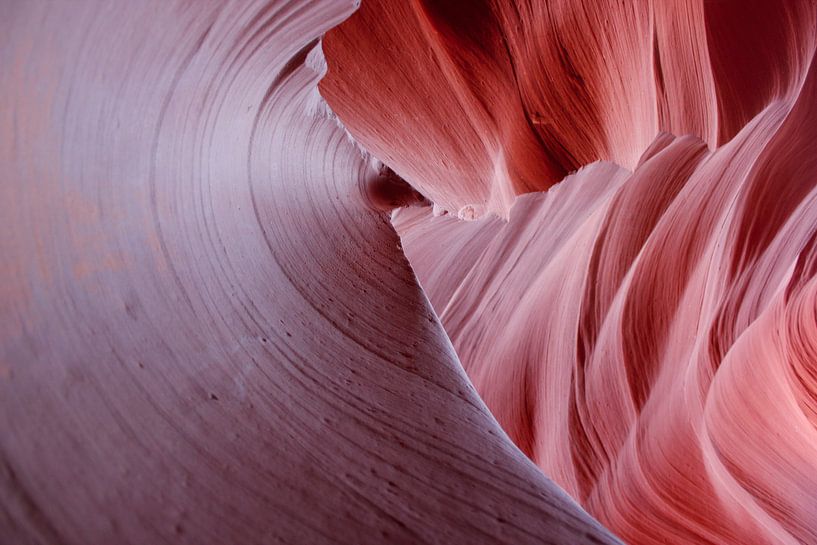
pixel 209 331
pixel 477 101
pixel 646 330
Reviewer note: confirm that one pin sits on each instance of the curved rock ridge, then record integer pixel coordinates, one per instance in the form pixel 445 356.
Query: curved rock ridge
pixel 207 334
pixel 649 338
pixel 477 101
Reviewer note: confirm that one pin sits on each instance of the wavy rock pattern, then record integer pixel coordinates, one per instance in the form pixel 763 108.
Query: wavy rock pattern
pixel 645 330
pixel 207 335
pixel 477 101
pixel 209 332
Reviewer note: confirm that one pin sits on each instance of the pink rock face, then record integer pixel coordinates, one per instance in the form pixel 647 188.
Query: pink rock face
pixel 210 332
pixel 645 330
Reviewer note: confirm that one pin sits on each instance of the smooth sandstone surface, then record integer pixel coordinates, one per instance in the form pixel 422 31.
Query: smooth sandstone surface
pixel 211 332
pixel 208 332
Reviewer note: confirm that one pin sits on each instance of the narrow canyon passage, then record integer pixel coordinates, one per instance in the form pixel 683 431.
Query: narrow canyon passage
pixel 592 317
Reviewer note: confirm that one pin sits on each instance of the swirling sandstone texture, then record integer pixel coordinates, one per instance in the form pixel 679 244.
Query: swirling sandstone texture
pixel 645 329
pixel 208 331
